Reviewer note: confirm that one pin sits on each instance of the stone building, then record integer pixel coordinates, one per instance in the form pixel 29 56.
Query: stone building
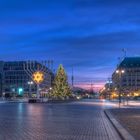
pixel 14 78
pixel 127 75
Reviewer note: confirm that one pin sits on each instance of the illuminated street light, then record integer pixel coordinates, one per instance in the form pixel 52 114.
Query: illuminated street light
pixel 117 71
pixel 30 83
pixel 122 71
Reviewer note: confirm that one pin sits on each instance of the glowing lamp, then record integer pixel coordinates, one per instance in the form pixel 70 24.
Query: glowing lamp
pixel 38 77
pixel 20 91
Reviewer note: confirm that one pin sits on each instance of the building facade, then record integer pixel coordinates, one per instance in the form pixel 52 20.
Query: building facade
pixel 14 79
pixel 127 75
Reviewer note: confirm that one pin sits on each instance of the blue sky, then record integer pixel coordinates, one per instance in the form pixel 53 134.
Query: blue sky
pixel 86 34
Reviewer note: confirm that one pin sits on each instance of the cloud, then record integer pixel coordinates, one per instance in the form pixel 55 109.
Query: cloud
pixel 86 34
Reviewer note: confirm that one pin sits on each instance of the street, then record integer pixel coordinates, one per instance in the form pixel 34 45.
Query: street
pixel 83 120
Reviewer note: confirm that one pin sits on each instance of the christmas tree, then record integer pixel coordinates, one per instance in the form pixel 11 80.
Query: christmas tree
pixel 61 89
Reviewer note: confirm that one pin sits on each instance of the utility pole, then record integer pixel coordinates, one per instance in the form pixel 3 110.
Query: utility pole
pixel 120 73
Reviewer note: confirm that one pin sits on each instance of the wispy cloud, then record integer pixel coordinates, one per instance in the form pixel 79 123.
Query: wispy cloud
pixel 86 34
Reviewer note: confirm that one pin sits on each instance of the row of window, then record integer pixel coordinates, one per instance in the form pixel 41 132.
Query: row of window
pixel 17 77
pixel 131 85
pixel 14 72
pixel 25 90
pixel 15 81
pixel 131 80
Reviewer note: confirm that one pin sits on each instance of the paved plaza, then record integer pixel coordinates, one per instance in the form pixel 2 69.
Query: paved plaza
pixel 83 120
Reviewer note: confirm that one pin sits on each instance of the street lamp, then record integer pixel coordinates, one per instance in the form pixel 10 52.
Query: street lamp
pixel 30 83
pixel 120 72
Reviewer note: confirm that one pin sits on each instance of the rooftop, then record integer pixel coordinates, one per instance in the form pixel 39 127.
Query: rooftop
pixel 130 62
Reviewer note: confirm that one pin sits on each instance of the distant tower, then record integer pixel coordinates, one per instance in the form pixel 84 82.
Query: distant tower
pixel 72 78
pixel 92 88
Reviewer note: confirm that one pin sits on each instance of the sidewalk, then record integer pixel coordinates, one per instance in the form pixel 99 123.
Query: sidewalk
pixel 128 120
pixel 13 100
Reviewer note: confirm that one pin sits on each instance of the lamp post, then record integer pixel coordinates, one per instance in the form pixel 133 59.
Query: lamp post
pixel 120 72
pixel 30 83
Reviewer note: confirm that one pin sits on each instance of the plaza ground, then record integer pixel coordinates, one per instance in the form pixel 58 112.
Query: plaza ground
pixel 83 120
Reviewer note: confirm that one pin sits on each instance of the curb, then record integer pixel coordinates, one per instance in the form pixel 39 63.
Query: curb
pixel 61 101
pixel 12 102
pixel 124 134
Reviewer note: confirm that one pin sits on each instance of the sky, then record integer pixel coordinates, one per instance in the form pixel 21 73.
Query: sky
pixel 88 35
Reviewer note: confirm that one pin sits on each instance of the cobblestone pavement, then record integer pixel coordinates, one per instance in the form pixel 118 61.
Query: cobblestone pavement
pixel 130 119
pixel 72 121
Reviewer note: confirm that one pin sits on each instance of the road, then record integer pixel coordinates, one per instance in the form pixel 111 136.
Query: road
pixel 83 120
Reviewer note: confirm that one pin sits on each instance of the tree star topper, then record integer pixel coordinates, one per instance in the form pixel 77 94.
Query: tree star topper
pixel 38 77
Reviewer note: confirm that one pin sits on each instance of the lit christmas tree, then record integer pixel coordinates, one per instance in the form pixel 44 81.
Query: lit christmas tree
pixel 61 89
